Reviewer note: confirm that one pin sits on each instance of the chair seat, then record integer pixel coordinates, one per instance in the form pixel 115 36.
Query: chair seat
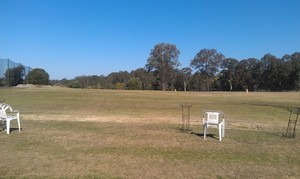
pixel 9 118
pixel 213 124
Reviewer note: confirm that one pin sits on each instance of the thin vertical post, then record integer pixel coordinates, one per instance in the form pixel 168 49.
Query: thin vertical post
pixel 289 123
pixel 294 131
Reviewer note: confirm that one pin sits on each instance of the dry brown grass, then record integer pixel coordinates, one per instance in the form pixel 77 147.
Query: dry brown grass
pixel 135 134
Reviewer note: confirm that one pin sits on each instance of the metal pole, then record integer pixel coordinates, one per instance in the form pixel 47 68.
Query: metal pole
pixel 289 122
pixel 296 122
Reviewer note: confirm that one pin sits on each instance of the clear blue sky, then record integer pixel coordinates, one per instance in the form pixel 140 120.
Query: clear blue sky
pixel 70 38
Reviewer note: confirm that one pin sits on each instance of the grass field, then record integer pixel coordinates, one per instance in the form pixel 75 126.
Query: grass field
pixel 74 133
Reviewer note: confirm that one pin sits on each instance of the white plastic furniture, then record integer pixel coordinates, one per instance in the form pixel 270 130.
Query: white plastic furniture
pixel 7 114
pixel 214 119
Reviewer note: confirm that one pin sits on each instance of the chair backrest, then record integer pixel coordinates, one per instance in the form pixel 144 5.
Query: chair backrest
pixel 212 117
pixel 2 111
pixel 3 108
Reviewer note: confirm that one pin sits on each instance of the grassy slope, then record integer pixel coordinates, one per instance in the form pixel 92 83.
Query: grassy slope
pixel 253 146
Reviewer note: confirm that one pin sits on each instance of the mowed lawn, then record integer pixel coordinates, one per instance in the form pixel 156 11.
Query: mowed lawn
pixel 76 133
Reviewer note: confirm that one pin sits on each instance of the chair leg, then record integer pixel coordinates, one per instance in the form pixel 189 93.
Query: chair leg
pixel 205 130
pixel 220 132
pixel 223 130
pixel 8 126
pixel 19 124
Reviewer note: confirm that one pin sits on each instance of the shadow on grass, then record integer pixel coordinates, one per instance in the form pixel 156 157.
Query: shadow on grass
pixel 11 129
pixel 201 135
pixel 198 134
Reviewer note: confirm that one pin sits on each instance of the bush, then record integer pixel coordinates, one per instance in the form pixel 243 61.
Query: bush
pixel 134 84
pixel 38 76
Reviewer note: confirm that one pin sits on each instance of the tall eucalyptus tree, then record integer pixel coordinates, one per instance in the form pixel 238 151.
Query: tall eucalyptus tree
pixel 163 61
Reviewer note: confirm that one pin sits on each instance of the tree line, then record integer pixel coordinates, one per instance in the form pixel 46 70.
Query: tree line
pixel 15 76
pixel 209 70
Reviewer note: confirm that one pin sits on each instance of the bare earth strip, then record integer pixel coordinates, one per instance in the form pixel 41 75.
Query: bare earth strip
pixel 230 123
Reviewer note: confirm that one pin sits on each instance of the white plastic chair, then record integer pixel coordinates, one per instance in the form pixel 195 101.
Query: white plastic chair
pixel 214 119
pixel 7 114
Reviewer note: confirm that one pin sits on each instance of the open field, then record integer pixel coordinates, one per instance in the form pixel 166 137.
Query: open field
pixel 74 133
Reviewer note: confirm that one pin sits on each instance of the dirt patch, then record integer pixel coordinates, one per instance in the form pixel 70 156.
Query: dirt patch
pixel 38 86
pixel 230 123
pixel 25 86
pixel 91 118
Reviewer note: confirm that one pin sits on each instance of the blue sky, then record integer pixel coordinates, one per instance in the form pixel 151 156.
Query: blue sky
pixel 70 38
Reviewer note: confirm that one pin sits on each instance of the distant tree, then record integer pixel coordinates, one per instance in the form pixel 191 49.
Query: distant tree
pixel 2 82
pixel 227 75
pixel 295 72
pixel 102 82
pixel 134 84
pixel 207 63
pixel 198 81
pixel 15 76
pixel 145 77
pixel 256 68
pixel 118 77
pixel 248 74
pixel 287 69
pixel 81 82
pixel 75 84
pixel 272 74
pixel 186 73
pixel 163 60
pixel 120 86
pixel 182 78
pixel 64 82
pixel 93 81
pixel 38 76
